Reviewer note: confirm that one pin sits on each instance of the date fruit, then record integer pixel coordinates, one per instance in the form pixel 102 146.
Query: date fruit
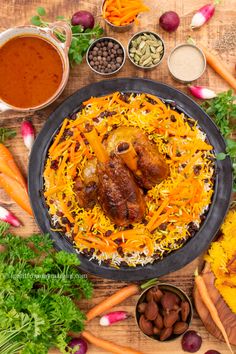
pixel 185 309
pixel 180 327
pixel 146 326
pixel 170 318
pixel 151 310
pixel 165 333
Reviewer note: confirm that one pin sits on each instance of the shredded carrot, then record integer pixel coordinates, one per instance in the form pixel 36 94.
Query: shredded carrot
pixel 122 12
pixel 157 213
pixel 96 145
pixel 53 190
pixel 59 135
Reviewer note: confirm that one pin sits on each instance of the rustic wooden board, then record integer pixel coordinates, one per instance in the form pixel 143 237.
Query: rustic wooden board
pixel 18 12
pixel 228 318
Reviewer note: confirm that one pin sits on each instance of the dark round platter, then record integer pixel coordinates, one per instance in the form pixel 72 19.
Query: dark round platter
pixel 223 183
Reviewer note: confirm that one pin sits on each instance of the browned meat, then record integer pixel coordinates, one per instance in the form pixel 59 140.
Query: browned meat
pixel 86 193
pixel 151 163
pixel 151 166
pixel 118 193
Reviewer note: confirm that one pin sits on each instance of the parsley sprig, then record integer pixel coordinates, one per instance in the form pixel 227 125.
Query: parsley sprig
pixel 81 39
pixel 6 133
pixel 223 110
pixel 37 289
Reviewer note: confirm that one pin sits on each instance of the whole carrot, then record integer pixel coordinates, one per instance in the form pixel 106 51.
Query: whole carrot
pixel 16 192
pixel 117 298
pixel 107 345
pixel 9 167
pixel 205 297
pixel 219 67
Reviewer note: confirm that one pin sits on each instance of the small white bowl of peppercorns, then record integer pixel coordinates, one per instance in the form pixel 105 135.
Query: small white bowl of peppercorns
pixel 106 56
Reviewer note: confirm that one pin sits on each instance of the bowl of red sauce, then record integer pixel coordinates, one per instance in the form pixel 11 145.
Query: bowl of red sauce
pixel 34 66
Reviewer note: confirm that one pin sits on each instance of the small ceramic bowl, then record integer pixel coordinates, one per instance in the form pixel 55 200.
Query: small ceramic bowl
pixel 165 288
pixel 48 35
pixel 186 63
pixel 122 55
pixel 139 34
pixel 115 27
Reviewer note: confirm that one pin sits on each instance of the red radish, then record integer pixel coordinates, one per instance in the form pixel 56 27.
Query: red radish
pixel 28 134
pixel 8 217
pixel 113 317
pixel 202 92
pixel 203 15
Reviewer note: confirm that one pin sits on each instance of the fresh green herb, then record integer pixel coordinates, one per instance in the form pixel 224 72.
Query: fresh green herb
pixel 37 289
pixel 223 110
pixel 81 39
pixel 6 133
pixel 221 156
pixel 41 11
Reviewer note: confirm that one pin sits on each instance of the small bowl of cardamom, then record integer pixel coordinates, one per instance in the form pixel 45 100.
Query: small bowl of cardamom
pixel 146 49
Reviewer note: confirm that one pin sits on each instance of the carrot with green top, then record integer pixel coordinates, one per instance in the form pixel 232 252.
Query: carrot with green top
pixel 206 299
pixel 117 298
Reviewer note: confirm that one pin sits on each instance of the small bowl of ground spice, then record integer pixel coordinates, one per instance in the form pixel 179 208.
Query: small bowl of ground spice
pixel 146 49
pixel 186 63
pixel 106 56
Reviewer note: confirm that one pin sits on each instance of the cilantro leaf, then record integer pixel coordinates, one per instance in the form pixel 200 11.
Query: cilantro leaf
pixel 36 21
pixel 81 39
pixel 41 11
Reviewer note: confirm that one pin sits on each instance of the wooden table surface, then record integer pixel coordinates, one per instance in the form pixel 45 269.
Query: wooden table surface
pixel 18 12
